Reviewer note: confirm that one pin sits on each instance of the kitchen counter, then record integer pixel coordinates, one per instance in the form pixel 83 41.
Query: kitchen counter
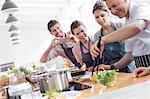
pixel 123 80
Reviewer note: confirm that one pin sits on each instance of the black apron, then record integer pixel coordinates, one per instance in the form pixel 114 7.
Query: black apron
pixel 70 55
pixel 113 52
pixel 86 57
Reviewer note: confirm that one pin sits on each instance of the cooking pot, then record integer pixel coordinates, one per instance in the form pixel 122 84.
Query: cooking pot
pixel 54 79
pixel 41 69
pixel 61 79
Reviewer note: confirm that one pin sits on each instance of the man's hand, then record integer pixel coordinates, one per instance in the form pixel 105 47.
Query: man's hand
pixel 96 51
pixel 141 71
pixel 55 41
pixel 71 38
pixel 103 66
pixel 58 40
pixel 43 60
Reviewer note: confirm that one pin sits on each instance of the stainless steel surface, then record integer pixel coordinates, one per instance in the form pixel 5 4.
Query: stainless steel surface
pixel 41 69
pixel 61 80
pixel 56 79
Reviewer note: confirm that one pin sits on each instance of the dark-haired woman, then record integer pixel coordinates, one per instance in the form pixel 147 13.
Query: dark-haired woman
pixel 82 48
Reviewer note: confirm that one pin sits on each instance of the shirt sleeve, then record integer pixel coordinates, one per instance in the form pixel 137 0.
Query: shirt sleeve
pixel 142 11
pixel 96 36
pixel 128 46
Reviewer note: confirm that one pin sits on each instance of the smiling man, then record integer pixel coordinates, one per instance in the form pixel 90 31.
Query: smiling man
pixel 61 45
pixel 136 32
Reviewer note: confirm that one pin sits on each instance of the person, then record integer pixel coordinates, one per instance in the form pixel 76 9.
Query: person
pixel 82 48
pixel 136 32
pixel 113 52
pixel 60 45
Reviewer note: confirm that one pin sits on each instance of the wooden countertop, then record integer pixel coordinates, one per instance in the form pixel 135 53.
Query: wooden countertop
pixel 123 80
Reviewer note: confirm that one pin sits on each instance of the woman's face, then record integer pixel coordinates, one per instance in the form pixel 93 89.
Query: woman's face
pixel 80 33
pixel 101 17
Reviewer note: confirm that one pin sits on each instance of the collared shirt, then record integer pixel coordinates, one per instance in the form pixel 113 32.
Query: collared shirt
pixel 58 50
pixel 139 44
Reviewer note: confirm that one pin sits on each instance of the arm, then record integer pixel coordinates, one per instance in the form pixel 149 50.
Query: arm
pixel 77 53
pixel 124 61
pixel 125 32
pixel 120 34
pixel 55 41
pixel 45 54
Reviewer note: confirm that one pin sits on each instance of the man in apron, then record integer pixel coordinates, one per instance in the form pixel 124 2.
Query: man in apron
pixel 136 32
pixel 61 45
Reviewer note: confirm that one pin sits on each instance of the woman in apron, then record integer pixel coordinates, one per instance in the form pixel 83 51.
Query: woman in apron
pixel 82 48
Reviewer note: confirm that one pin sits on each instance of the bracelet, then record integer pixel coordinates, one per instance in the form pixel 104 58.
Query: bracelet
pixel 112 66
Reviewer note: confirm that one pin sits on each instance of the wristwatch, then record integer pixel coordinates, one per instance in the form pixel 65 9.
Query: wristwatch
pixel 112 66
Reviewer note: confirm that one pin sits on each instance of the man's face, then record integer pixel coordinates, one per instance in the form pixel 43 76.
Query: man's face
pixel 118 7
pixel 56 30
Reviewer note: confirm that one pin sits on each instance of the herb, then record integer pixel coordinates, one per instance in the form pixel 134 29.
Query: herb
pixel 24 70
pixel 12 70
pixel 34 66
pixel 107 78
pixel 52 91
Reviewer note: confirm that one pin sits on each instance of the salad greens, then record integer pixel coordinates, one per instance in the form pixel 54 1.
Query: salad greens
pixel 24 70
pixel 107 78
pixel 52 93
pixel 12 70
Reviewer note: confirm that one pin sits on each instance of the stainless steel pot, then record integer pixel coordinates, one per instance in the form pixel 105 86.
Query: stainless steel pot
pixel 41 69
pixel 46 82
pixel 61 79
pixel 54 79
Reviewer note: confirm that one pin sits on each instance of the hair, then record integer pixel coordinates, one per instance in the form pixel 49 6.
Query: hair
pixel 99 5
pixel 51 23
pixel 76 24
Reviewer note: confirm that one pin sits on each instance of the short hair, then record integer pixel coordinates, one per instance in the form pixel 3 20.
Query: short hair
pixel 51 23
pixel 99 5
pixel 76 24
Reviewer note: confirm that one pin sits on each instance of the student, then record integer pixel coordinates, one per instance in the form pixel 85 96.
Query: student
pixel 82 48
pixel 113 52
pixel 136 31
pixel 61 43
